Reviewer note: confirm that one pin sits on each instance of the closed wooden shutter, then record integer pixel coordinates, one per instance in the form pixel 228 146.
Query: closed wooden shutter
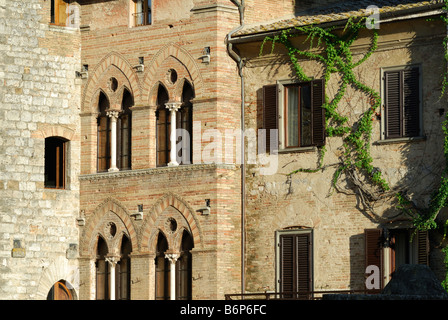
pixel 318 99
pixel 393 104
pixel 411 105
pixel 270 111
pixel 402 93
pixel 373 249
pixel 295 264
pixel 422 247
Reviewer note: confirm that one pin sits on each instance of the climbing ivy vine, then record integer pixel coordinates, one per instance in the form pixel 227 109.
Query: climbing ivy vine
pixel 334 52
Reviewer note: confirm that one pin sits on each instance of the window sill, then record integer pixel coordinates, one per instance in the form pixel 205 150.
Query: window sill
pixel 399 140
pixel 299 150
pixel 62 28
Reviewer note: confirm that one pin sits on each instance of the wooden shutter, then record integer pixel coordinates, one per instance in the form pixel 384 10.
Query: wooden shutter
pixel 422 247
pixel 270 111
pixel 295 264
pixel 402 93
pixel 373 249
pixel 393 104
pixel 411 103
pixel 318 113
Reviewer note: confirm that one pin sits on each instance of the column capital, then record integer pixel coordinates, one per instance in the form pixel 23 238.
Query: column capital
pixel 173 106
pixel 113 114
pixel 113 260
pixel 172 257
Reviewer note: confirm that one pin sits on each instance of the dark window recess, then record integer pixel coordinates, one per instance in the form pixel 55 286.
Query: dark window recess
pixel 295 265
pixel 55 158
pixel 402 249
pixel 104 135
pixel 124 132
pixel 304 116
pixel 102 271
pixel 402 103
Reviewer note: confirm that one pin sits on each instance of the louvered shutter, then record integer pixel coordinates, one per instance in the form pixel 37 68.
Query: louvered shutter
pixel 287 265
pixel 295 264
pixel 393 104
pixel 402 92
pixel 317 100
pixel 373 250
pixel 411 103
pixel 270 112
pixel 303 248
pixel 422 247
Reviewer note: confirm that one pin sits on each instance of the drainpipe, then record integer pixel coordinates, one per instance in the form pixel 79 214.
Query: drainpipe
pixel 240 64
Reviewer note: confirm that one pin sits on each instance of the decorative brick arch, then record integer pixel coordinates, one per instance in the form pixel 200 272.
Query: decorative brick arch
pixel 87 240
pixel 148 233
pixel 180 54
pixel 112 59
pixel 55 131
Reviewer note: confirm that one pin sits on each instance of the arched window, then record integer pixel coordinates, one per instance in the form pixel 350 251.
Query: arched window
pixel 102 271
pixel 55 162
pixel 184 269
pixel 104 134
pixel 185 121
pixel 123 272
pixel 124 127
pixel 163 127
pixel 61 290
pixel 162 269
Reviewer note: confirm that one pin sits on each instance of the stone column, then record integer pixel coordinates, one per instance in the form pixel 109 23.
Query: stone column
pixel 172 257
pixel 112 262
pixel 113 114
pixel 173 107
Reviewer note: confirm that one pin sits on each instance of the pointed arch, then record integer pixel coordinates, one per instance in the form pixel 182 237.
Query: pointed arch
pixel 112 59
pixel 180 54
pixel 169 199
pixel 87 241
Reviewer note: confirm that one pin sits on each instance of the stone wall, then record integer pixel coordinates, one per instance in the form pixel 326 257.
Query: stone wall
pixel 40 97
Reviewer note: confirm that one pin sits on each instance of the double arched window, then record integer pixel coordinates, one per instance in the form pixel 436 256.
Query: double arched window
pixel 107 267
pixel 183 127
pixel 123 133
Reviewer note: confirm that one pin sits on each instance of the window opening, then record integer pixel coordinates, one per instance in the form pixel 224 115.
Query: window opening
pixel 55 162
pixel 163 127
pixel 104 135
pixel 162 269
pixel 143 12
pixel 102 271
pixel 124 137
pixel 59 9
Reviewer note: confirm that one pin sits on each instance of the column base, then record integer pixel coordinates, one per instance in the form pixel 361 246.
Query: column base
pixel 173 164
pixel 113 170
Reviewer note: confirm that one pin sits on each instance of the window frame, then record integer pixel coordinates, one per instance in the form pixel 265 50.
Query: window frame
pixel 384 111
pixel 278 258
pixel 60 151
pixel 147 13
pixel 282 86
pixel 55 14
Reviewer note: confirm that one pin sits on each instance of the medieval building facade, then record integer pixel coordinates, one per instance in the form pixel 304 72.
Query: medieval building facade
pixel 123 175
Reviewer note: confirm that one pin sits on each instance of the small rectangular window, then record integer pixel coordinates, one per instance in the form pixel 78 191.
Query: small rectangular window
pixel 59 12
pixel 143 13
pixel 55 158
pixel 296 110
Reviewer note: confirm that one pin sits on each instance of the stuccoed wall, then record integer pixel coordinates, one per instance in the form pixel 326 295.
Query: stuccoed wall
pixel 307 199
pixel 39 97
